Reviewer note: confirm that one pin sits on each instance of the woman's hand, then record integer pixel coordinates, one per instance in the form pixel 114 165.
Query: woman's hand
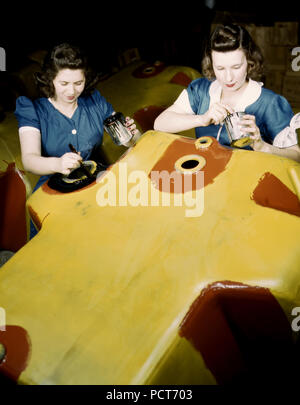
pixel 216 114
pixel 129 123
pixel 248 126
pixel 68 162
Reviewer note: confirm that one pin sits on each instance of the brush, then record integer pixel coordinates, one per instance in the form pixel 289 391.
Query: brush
pixel 86 171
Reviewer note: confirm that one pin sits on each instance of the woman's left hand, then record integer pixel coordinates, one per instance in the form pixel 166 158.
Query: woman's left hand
pixel 248 126
pixel 129 123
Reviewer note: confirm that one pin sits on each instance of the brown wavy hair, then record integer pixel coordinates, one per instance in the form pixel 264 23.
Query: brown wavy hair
pixel 226 38
pixel 64 56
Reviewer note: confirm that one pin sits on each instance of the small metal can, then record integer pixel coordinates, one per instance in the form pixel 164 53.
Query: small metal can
pixel 236 137
pixel 115 126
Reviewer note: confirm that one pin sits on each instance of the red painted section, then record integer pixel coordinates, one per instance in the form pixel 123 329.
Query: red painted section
pixel 34 217
pixel 13 230
pixel 17 347
pixel 240 331
pixel 216 156
pixel 271 192
pixel 181 78
pixel 145 117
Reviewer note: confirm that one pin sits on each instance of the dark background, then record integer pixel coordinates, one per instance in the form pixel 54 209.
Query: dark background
pixel 172 32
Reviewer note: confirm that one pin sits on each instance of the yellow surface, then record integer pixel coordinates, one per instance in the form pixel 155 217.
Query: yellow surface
pixel 10 150
pixel 125 92
pixel 102 290
pixel 129 94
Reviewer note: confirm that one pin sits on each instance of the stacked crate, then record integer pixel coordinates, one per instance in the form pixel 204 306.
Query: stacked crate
pixel 286 36
pixel 280 46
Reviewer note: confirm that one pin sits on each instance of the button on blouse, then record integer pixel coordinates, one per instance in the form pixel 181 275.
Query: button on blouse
pixel 84 129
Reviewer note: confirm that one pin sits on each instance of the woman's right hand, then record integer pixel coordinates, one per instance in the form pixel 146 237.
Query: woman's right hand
pixel 68 162
pixel 216 114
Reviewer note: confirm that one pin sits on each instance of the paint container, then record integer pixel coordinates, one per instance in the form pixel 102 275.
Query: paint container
pixel 236 137
pixel 115 126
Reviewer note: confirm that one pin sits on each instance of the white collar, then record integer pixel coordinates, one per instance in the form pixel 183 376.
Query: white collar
pixel 250 95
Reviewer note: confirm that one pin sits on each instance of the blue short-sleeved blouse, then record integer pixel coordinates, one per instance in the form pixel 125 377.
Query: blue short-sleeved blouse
pixel 272 112
pixel 84 129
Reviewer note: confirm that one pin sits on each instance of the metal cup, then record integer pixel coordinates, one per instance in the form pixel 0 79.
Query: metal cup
pixel 114 125
pixel 237 138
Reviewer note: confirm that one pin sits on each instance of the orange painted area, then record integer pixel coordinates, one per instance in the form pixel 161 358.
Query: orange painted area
pixel 146 116
pixel 185 146
pixel 181 78
pixel 271 192
pixel 245 322
pixel 34 217
pixel 13 228
pixel 17 346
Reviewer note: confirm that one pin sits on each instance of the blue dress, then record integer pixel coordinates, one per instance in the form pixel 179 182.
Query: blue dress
pixel 272 112
pixel 84 130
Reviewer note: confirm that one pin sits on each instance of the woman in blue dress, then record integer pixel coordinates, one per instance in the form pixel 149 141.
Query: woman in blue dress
pixel 232 67
pixel 71 113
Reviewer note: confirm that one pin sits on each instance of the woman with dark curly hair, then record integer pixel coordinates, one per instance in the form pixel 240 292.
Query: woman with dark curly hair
pixel 232 66
pixel 72 112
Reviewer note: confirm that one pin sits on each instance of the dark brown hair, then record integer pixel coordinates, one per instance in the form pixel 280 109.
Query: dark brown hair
pixel 226 38
pixel 64 56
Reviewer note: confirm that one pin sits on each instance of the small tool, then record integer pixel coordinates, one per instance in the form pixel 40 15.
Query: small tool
pixel 86 171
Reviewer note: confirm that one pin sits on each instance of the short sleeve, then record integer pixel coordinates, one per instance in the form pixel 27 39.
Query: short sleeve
pixel 277 117
pixel 288 136
pixel 104 106
pixel 198 92
pixel 26 114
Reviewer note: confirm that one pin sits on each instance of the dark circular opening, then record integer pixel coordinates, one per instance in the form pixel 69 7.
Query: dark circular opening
pixel 190 164
pixel 148 69
pixel 78 173
pixel 203 141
